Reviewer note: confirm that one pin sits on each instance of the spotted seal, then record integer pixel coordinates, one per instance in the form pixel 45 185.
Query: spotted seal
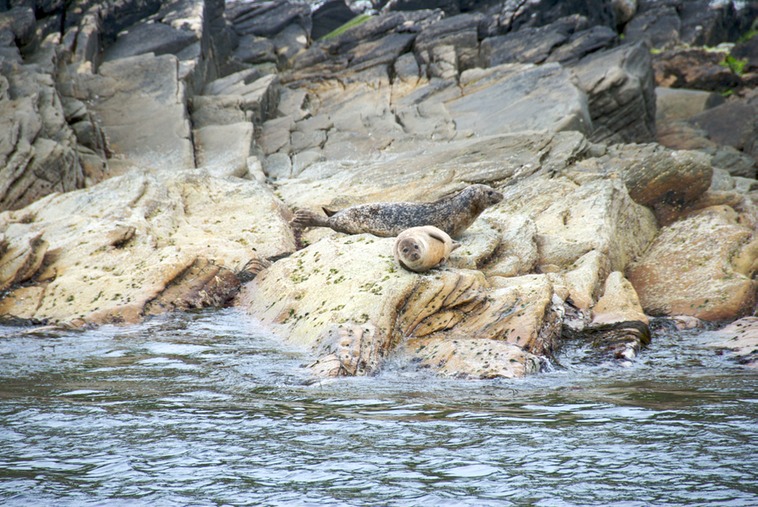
pixel 453 214
pixel 420 249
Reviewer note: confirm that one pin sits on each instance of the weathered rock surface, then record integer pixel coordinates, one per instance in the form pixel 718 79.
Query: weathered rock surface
pixel 136 245
pixel 38 149
pixel 701 266
pixel 302 297
pixel 620 87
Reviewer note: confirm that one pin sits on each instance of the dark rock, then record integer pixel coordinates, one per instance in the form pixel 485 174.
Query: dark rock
pixel 18 25
pixel 337 53
pixel 583 43
pixel 449 7
pixel 149 38
pixel 383 51
pixel 694 68
pixel 516 14
pixel 621 92
pixel 529 45
pixel 747 50
pixel 267 19
pixel 328 17
pixel 658 26
pixel 252 49
pixel 706 23
pixel 694 22
pixel 460 31
pixel 734 123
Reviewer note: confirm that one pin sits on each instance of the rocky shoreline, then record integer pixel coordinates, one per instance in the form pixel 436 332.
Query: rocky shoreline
pixel 153 153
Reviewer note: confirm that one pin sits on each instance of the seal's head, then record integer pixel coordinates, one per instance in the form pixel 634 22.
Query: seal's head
pixel 489 196
pixel 409 249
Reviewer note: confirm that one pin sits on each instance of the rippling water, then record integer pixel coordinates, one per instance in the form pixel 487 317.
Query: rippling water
pixel 208 409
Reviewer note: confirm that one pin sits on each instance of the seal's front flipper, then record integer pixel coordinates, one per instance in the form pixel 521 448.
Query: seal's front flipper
pixel 307 218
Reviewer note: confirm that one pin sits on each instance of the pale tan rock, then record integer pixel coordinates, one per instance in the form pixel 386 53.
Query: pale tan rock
pixel 138 244
pixel 598 215
pixel 619 326
pixel 346 298
pixel 700 266
pixel 618 303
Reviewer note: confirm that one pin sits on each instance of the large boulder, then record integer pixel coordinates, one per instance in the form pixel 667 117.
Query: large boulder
pixel 700 266
pixel 137 244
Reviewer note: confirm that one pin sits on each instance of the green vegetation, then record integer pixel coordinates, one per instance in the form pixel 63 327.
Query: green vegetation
pixel 342 29
pixel 736 65
pixel 748 35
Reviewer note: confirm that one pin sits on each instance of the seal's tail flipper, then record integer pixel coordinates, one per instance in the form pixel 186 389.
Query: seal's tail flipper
pixel 456 244
pixel 307 218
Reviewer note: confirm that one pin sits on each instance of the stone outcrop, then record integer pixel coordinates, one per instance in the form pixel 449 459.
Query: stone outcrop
pixel 154 153
pixel 714 258
pixel 136 245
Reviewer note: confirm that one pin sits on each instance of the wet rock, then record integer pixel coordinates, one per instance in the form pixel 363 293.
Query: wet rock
pixel 619 325
pixel 740 338
pixel 700 266
pixel 136 245
pixel 621 93
pixel 462 358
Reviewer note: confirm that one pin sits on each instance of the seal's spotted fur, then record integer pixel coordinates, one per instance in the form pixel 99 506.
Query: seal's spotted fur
pixel 453 214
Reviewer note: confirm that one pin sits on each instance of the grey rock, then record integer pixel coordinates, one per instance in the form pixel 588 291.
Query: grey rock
pixel 621 91
pixel 734 123
pixel 253 49
pixel 530 44
pixel 37 147
pixel 157 38
pixel 583 43
pixel 518 98
pixel 461 32
pixel 678 104
pixel 266 19
pixel 329 16
pixel 140 104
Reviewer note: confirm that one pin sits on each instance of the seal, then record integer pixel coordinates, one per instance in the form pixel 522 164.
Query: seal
pixel 453 214
pixel 420 249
